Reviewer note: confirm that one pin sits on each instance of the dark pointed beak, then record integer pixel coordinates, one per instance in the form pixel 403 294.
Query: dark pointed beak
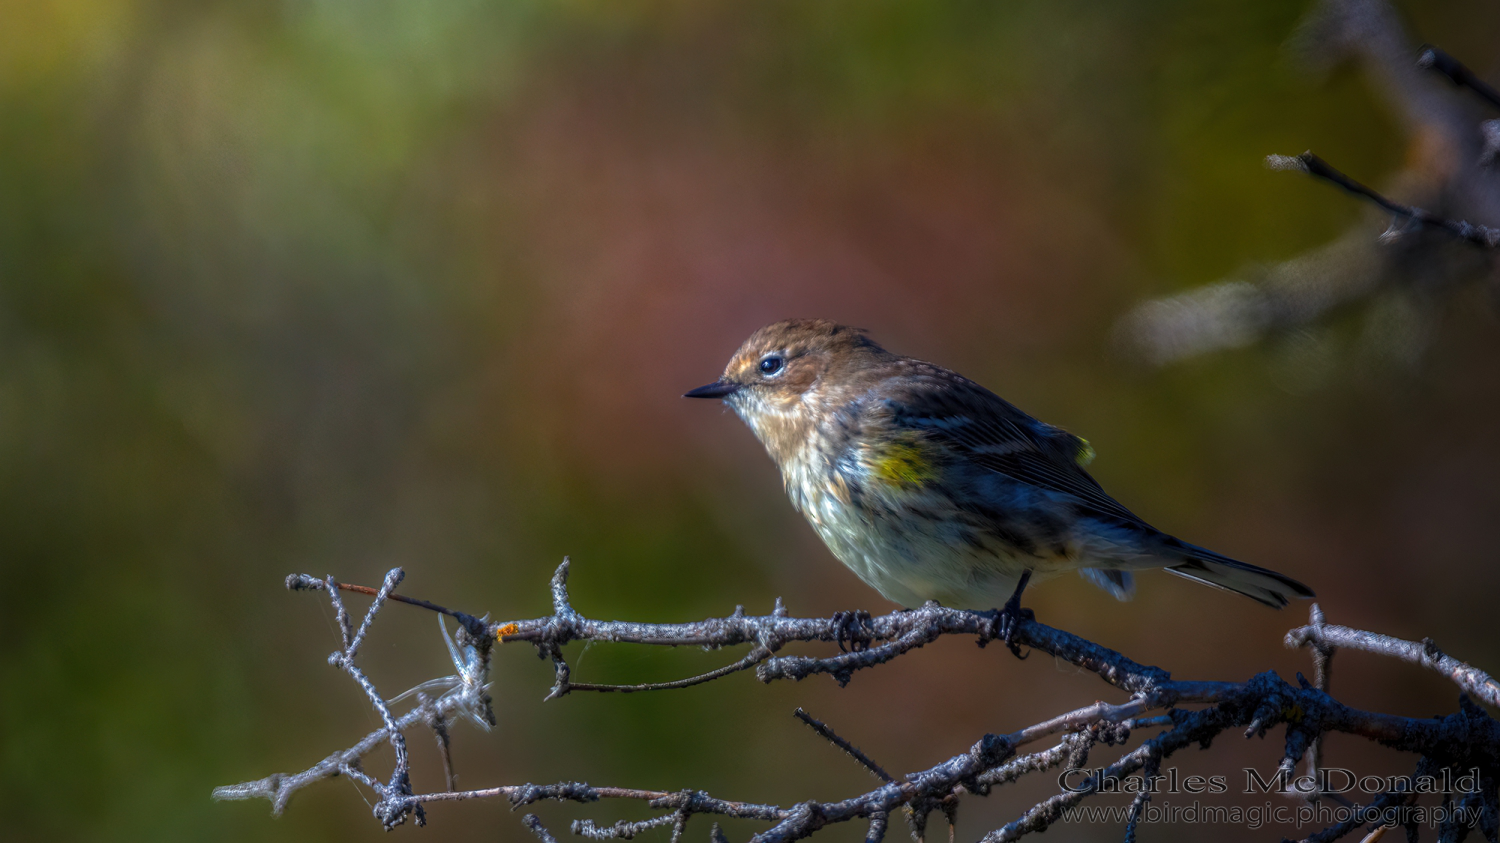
pixel 717 389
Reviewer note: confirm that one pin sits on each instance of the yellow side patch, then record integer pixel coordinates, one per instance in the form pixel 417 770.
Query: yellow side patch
pixel 1085 453
pixel 507 629
pixel 902 463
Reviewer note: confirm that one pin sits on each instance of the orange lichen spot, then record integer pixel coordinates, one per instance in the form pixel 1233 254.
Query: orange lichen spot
pixel 507 629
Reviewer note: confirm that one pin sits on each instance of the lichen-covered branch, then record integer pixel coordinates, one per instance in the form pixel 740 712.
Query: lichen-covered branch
pixel 1468 739
pixel 1472 680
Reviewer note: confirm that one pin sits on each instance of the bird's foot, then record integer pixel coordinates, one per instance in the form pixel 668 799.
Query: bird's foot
pixel 1003 625
pixel 854 628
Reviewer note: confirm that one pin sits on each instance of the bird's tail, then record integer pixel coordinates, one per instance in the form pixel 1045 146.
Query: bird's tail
pixel 1205 566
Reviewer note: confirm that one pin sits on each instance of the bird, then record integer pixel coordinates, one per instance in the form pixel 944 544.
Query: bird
pixel 930 487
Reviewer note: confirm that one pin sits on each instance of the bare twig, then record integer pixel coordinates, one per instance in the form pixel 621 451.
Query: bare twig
pixel 390 811
pixel 1467 739
pixel 1322 656
pixel 1372 813
pixel 1395 279
pixel 1307 162
pixel 1471 679
pixel 1138 804
pixel 905 631
pixel 439 728
pixel 621 830
pixel 531 822
pixel 751 659
pixel 467 698
pixel 1431 58
pixel 303 582
pixel 853 751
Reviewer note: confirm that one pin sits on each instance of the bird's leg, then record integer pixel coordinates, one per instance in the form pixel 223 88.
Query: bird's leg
pixel 1012 615
pixel 1009 619
pixel 854 628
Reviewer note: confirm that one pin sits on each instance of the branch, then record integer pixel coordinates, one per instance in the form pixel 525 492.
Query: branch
pixel 1436 60
pixel 1472 680
pixel 850 749
pixel 1394 279
pixel 1466 739
pixel 1479 235
pixel 904 631
pixel 466 698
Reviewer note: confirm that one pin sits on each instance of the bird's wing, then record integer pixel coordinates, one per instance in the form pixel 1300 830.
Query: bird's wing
pixel 996 435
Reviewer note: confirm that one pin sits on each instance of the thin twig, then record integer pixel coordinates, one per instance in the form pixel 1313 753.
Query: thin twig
pixel 1454 162
pixel 391 813
pixel 853 751
pixel 1322 656
pixel 751 659
pixel 1431 58
pixel 439 728
pixel 531 822
pixel 303 582
pixel 1307 162
pixel 1425 653
pixel 621 830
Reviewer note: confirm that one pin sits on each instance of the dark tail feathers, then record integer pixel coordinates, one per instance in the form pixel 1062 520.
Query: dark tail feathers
pixel 1268 587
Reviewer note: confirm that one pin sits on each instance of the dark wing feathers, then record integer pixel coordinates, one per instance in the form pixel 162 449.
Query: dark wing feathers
pixel 997 435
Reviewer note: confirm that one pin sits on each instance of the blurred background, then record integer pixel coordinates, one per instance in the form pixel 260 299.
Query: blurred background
pixel 330 287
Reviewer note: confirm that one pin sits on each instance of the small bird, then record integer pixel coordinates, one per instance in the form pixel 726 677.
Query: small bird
pixel 930 487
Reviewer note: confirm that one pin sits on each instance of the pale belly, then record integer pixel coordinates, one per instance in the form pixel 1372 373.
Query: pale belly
pixel 912 560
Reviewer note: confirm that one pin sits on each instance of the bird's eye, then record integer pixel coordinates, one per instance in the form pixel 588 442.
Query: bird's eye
pixel 771 364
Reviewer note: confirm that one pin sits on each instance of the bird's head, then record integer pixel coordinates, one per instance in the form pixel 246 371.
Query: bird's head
pixel 780 374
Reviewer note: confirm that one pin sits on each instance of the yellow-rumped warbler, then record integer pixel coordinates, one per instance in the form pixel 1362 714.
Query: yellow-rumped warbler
pixel 931 487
